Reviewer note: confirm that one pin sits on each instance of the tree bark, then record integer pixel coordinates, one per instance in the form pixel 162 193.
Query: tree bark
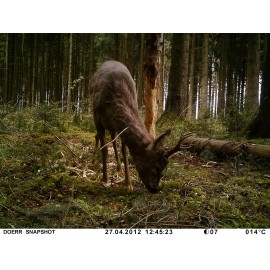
pixel 184 77
pixel 117 47
pixel 230 81
pixel 88 93
pixel 259 128
pixel 152 85
pixel 162 66
pixel 59 69
pixel 173 99
pixel 141 80
pixel 191 96
pixel 33 84
pixel 6 69
pixel 69 75
pixel 177 100
pixel 129 54
pixel 204 78
pixel 222 75
pixel 253 70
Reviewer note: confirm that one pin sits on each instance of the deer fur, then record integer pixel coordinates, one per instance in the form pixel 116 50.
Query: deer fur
pixel 116 110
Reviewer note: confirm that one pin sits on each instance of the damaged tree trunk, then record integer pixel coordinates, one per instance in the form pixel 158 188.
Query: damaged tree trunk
pixel 153 50
pixel 223 148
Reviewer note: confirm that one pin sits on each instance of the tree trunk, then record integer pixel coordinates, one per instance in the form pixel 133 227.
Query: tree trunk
pixel 162 64
pixel 211 90
pixel 253 70
pixel 259 128
pixel 152 85
pixel 117 47
pixel 231 107
pixel 173 99
pixel 6 70
pixel 184 77
pixel 59 69
pixel 222 75
pixel 88 93
pixel 14 77
pixel 204 78
pixel 242 85
pixel 33 85
pixel 223 148
pixel 140 84
pixel 129 54
pixel 69 75
pixel 178 77
pixel 190 112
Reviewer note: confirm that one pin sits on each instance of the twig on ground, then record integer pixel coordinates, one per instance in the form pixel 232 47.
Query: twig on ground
pixel 61 141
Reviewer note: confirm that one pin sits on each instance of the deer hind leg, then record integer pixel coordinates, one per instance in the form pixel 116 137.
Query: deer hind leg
pixel 127 176
pixel 118 162
pixel 104 151
pixel 95 150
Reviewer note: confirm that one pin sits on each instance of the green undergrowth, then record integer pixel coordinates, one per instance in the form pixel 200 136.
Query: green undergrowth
pixel 200 127
pixel 50 178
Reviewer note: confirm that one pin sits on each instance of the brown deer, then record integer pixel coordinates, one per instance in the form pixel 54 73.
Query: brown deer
pixel 115 109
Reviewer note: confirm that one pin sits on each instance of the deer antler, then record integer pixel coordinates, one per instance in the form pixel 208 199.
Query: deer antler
pixel 178 146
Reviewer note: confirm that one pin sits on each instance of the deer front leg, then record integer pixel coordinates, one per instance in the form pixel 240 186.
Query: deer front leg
pixel 118 162
pixel 127 176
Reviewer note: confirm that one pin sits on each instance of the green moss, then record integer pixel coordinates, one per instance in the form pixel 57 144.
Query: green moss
pixel 49 181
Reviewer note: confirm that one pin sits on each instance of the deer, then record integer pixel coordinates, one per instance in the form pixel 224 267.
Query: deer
pixel 115 109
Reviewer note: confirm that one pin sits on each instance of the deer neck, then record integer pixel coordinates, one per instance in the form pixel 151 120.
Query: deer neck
pixel 137 138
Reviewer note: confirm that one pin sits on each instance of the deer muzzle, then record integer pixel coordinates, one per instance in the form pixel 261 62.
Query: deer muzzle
pixel 155 189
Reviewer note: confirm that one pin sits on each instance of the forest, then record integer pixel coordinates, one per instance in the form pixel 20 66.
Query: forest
pixel 212 90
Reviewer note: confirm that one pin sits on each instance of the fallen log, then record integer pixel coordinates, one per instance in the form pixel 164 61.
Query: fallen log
pixel 223 148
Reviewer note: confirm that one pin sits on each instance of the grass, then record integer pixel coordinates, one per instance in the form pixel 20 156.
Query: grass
pixel 47 179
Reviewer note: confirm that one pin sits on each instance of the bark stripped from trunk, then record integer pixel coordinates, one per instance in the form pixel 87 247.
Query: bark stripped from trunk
pixel 152 87
pixel 223 148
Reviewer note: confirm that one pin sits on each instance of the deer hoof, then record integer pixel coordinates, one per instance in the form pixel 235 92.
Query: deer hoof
pixel 130 188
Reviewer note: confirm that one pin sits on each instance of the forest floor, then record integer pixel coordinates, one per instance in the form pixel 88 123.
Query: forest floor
pixel 47 179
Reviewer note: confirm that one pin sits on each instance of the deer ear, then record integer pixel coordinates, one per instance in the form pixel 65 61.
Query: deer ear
pixel 159 141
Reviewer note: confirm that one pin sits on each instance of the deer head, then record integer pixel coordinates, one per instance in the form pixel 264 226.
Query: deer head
pixel 152 162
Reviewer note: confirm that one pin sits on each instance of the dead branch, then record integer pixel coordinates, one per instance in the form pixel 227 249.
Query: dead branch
pixel 61 141
pixel 223 148
pixel 114 138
